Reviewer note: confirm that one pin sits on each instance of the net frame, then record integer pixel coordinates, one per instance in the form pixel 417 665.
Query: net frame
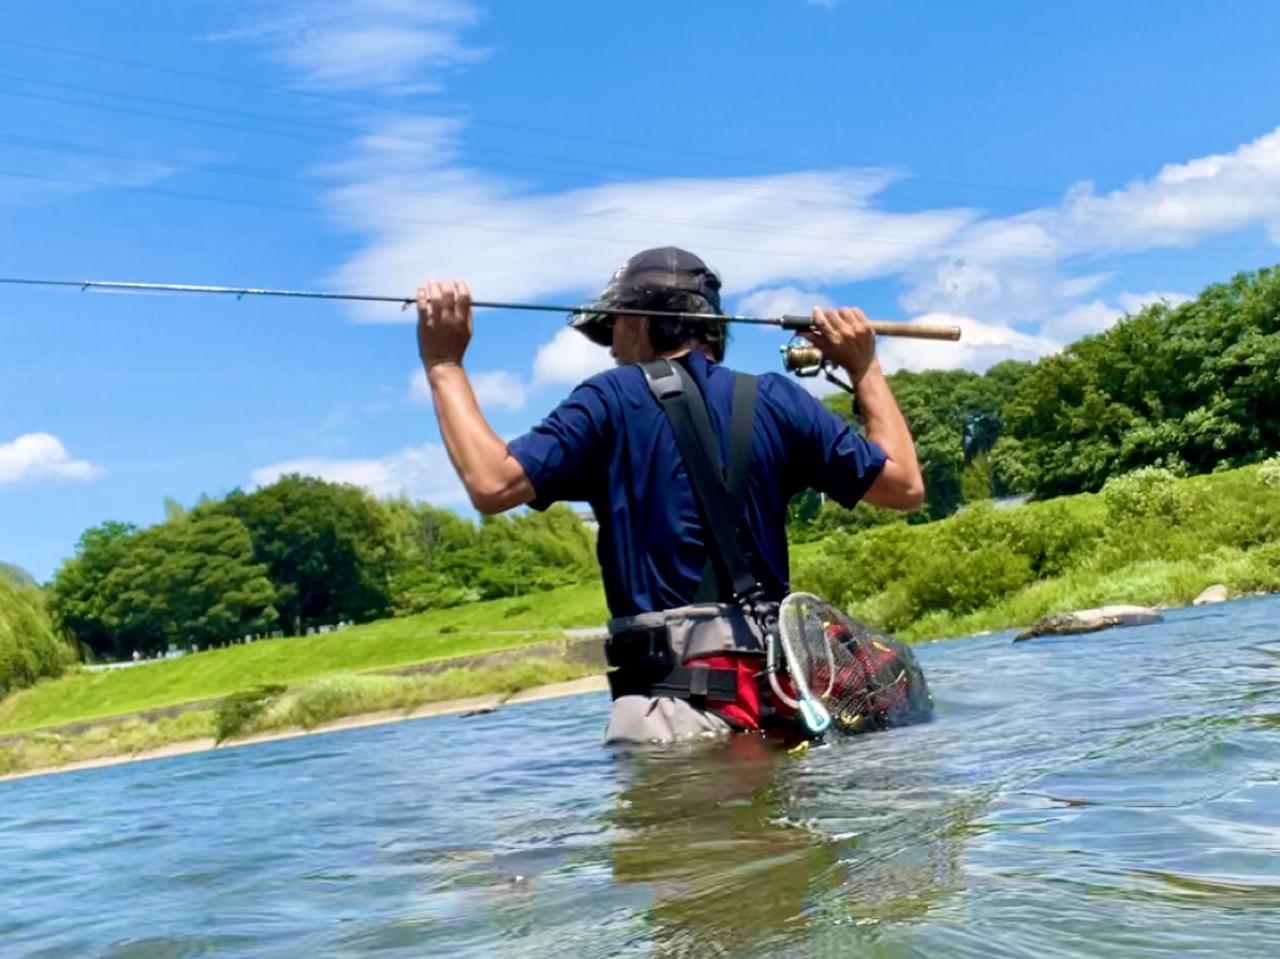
pixel 859 677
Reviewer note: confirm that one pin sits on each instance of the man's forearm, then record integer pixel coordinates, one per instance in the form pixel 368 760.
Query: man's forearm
pixel 494 479
pixel 900 485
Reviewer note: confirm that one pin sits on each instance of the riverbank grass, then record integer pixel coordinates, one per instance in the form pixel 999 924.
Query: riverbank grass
pixel 283 709
pixel 83 695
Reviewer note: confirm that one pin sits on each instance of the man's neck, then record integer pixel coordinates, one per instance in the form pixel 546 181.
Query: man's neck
pixel 683 350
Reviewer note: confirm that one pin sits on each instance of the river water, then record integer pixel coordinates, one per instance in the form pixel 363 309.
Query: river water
pixel 1116 794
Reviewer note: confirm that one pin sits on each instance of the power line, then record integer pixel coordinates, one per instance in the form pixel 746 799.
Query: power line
pixel 952 246
pixel 519 128
pixel 1176 225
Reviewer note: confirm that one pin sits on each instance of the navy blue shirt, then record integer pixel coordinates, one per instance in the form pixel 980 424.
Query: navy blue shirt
pixel 610 444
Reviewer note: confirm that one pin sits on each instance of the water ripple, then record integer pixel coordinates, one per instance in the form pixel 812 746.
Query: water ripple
pixel 1090 796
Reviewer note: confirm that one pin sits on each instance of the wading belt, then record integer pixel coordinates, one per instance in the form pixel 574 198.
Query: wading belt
pixel 648 666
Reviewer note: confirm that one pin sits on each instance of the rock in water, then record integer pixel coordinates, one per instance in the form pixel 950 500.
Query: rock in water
pixel 1090 621
pixel 1214 594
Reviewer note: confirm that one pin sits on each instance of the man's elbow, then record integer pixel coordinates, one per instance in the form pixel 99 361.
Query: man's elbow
pixel 490 500
pixel 500 494
pixel 897 492
pixel 913 495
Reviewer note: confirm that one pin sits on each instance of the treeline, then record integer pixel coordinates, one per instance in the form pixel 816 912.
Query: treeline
pixel 1189 389
pixel 294 556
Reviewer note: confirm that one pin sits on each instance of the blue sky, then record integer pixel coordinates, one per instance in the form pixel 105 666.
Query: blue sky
pixel 1028 171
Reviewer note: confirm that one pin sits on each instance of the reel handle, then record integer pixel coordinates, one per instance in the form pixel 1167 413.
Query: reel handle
pixel 918 331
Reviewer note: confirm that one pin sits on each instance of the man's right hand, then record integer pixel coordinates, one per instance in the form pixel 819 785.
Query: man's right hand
pixel 845 338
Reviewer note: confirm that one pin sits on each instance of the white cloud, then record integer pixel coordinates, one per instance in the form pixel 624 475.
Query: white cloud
pixel 778 240
pixel 1013 269
pixel 40 456
pixel 494 389
pixel 1183 203
pixel 512 243
pixel 499 389
pixel 569 358
pixel 1095 316
pixel 981 345
pixel 1084 319
pixel 780 301
pixel 1134 302
pixel 384 45
pixel 419 388
pixel 420 472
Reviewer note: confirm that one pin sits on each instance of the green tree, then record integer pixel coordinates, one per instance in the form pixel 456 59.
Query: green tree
pixel 533 551
pixel 956 418
pixel 30 647
pixel 190 581
pixel 434 557
pixel 77 595
pixel 325 546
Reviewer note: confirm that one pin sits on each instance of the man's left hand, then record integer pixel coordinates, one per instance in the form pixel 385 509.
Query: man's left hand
pixel 444 322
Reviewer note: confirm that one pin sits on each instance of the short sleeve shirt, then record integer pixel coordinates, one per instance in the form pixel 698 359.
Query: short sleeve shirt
pixel 610 444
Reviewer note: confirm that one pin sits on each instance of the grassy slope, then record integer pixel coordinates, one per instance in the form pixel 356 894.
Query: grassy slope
pixel 83 696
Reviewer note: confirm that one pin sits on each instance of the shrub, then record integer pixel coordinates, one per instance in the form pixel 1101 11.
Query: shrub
pixel 1261 571
pixel 235 714
pixel 1058 535
pixel 1148 493
pixel 1269 472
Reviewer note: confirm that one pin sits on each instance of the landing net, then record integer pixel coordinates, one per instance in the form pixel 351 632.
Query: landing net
pixel 865 679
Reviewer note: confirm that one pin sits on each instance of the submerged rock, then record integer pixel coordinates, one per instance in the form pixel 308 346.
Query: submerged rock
pixel 1214 594
pixel 1090 621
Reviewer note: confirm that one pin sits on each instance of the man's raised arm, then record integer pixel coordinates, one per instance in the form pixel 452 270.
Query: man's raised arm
pixel 494 479
pixel 846 339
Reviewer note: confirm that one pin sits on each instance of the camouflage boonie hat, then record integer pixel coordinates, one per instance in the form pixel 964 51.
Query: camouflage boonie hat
pixel 646 281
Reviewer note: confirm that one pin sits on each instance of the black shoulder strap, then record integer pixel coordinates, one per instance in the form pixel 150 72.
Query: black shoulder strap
pixel 720 497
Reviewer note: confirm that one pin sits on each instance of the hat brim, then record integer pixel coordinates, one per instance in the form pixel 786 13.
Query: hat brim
pixel 597 327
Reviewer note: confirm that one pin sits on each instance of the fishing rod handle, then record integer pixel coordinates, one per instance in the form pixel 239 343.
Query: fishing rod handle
pixel 918 331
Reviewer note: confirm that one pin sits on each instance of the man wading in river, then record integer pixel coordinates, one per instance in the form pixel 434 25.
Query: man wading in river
pixel 687 659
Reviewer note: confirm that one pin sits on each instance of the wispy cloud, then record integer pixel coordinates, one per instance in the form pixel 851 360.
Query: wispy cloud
pixel 53 180
pixel 514 243
pixel 42 456
pixel 1015 269
pixel 419 472
pixel 388 46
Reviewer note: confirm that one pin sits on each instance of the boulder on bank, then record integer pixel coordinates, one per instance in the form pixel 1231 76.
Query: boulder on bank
pixel 1090 621
pixel 1214 594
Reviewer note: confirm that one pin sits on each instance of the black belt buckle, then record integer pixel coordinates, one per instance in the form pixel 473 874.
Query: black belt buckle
pixel 639 647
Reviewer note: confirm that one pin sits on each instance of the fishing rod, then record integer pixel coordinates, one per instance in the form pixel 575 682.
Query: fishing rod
pixel 801 358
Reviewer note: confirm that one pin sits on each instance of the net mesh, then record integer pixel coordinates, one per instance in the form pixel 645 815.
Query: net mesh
pixel 866 679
